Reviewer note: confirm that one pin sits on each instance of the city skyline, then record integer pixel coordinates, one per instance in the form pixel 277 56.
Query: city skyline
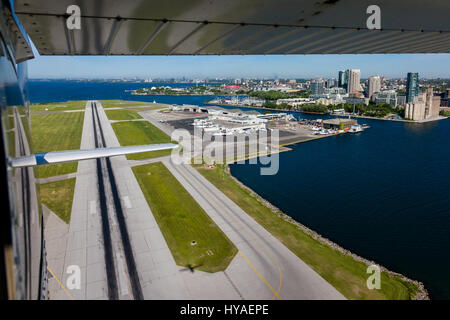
pixel 276 66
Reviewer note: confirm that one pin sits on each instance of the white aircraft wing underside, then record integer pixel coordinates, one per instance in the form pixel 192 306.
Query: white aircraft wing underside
pixel 76 155
pixel 206 27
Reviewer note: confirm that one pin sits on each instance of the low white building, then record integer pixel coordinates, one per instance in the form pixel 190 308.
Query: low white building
pixel 295 101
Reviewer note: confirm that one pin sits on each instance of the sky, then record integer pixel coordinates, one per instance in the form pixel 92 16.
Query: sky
pixel 256 66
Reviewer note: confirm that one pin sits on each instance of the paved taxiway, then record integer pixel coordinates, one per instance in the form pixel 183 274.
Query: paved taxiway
pixel 263 268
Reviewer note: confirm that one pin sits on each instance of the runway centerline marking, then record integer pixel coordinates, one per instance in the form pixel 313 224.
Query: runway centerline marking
pixel 127 202
pixel 93 207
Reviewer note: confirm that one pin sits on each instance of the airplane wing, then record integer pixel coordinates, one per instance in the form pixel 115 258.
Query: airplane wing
pixel 75 155
pixel 203 27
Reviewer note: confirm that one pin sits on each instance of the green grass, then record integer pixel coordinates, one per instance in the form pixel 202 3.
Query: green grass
pixel 55 132
pixel 122 114
pixel 342 271
pixel 9 126
pixel 10 136
pixel 140 105
pixel 131 133
pixel 58 197
pixel 122 103
pixel 147 108
pixel 58 106
pixel 182 221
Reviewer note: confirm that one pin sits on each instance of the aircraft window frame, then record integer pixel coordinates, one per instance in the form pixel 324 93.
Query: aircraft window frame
pixel 2 48
pixel 6 49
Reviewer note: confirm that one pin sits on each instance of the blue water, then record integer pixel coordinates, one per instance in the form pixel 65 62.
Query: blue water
pixel 383 194
pixel 57 91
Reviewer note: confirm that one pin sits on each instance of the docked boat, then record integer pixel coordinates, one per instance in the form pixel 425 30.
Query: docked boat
pixel 355 128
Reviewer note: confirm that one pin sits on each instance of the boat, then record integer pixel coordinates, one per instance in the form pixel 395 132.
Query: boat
pixel 355 128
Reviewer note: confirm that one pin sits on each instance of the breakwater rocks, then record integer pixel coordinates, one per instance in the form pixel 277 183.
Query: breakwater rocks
pixel 421 293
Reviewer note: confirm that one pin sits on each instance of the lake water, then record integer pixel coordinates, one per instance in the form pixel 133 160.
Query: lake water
pixel 55 91
pixel 383 194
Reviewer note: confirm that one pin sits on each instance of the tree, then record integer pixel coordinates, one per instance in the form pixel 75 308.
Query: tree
pixel 275 95
pixel 316 108
pixel 270 104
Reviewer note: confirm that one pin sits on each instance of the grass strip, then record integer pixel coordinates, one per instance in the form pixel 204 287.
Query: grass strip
pixel 342 271
pixel 182 221
pixel 56 132
pixel 131 133
pixel 122 114
pixel 58 197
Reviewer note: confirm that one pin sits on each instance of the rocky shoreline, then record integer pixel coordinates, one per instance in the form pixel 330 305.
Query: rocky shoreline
pixel 422 293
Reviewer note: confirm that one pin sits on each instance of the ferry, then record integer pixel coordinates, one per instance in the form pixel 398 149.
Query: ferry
pixel 355 128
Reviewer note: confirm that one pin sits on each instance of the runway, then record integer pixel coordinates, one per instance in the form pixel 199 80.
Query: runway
pixel 115 241
pixel 264 268
pixel 95 239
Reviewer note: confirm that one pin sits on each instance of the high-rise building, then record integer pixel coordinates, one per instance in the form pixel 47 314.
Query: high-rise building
pixel 346 72
pixel 343 79
pixel 317 86
pixel 412 87
pixel 373 87
pixel 354 85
